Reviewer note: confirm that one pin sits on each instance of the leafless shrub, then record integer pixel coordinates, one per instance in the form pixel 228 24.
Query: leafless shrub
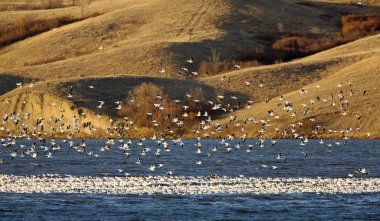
pixel 148 106
pixel 140 106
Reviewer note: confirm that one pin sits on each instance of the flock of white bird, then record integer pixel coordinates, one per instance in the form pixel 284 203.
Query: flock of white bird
pixel 52 183
pixel 205 129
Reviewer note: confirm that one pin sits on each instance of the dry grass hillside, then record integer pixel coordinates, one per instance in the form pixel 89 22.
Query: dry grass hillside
pixel 356 114
pixel 281 78
pixel 117 45
pixel 141 37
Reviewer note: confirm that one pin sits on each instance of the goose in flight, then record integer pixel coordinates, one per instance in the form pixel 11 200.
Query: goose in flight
pixel 152 168
pixel 14 154
pixel 362 171
pixel 101 104
pixel 158 97
pixel 49 155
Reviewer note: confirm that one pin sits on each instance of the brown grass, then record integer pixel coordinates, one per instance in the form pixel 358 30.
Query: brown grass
pixel 364 74
pixel 25 29
pixel 42 5
pixel 45 61
pixel 27 7
pixel 167 36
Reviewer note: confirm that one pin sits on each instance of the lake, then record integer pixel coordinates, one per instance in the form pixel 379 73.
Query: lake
pixel 311 160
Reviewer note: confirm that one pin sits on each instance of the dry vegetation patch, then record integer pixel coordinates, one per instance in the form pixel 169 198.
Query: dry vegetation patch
pixel 360 25
pixel 41 5
pixel 25 29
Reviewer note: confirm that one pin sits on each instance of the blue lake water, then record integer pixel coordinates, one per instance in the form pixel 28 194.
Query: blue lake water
pixel 321 161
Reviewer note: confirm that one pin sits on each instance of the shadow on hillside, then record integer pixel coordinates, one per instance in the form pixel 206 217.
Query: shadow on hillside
pixel 8 82
pixel 256 24
pixel 115 89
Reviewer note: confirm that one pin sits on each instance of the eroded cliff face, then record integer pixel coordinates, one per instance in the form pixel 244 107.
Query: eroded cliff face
pixel 46 115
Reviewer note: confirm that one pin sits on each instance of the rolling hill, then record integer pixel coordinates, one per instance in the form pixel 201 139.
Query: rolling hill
pixel 128 42
pixel 359 114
